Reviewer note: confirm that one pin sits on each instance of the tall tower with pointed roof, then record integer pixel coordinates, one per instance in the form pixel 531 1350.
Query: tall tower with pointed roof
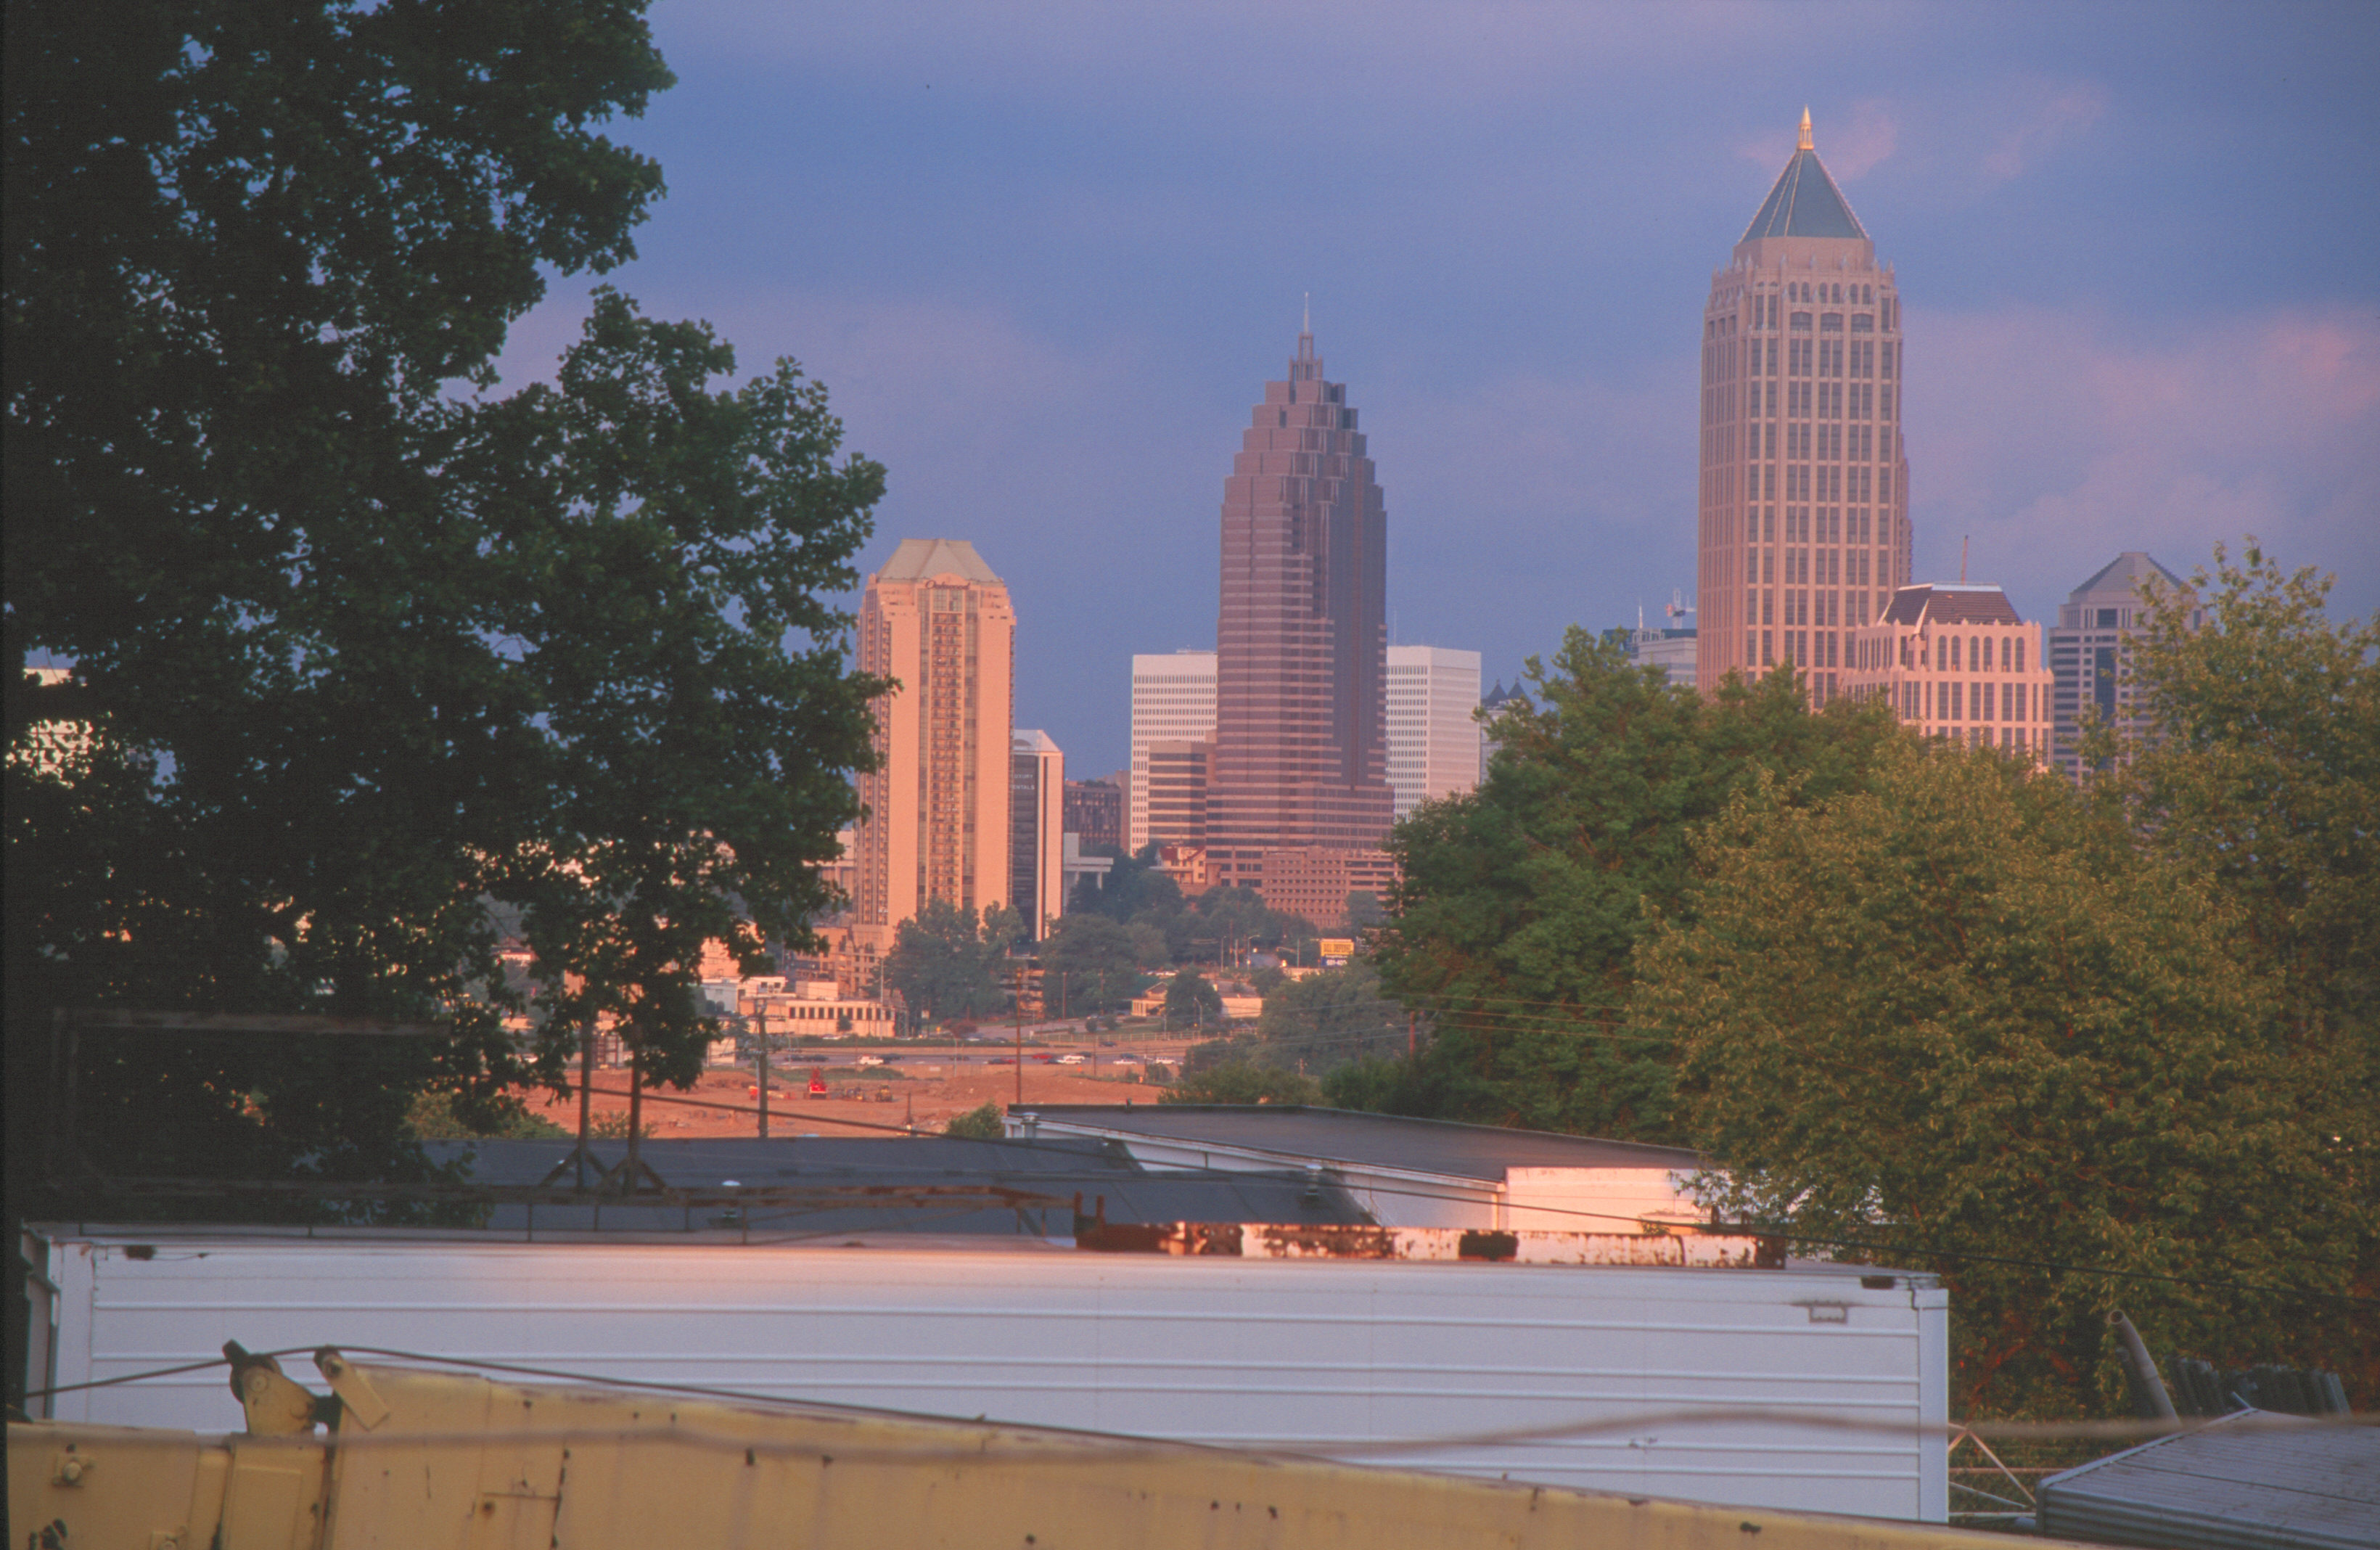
pixel 1301 642
pixel 1803 507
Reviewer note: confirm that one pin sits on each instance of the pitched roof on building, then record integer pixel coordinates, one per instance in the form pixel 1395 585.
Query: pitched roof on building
pixel 2224 1485
pixel 1293 1131
pixel 920 558
pixel 2123 574
pixel 1805 201
pixel 1936 604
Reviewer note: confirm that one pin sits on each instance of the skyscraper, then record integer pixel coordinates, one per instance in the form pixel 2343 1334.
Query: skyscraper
pixel 1172 701
pixel 2091 644
pixel 1802 526
pixel 937 618
pixel 1433 741
pixel 1036 830
pixel 1301 638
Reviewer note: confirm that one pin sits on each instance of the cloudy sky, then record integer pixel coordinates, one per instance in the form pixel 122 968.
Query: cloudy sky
pixel 1045 257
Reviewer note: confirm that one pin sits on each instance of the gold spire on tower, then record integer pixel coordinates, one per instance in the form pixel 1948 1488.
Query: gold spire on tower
pixel 1805 129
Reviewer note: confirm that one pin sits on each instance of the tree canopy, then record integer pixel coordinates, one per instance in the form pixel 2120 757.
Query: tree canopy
pixel 1090 963
pixel 1522 903
pixel 360 653
pixel 946 962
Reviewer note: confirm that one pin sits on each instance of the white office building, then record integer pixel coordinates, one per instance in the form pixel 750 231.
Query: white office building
pixel 1172 701
pixel 1433 747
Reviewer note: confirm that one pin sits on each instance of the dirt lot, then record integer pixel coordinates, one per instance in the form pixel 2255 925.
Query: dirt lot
pixel 925 1100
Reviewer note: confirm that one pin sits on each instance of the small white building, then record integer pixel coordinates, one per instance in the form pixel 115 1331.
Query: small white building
pixel 1406 1172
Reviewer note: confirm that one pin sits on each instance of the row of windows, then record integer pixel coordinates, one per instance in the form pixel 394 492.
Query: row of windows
pixel 1835 567
pixel 1834 526
pixel 1954 701
pixel 1826 483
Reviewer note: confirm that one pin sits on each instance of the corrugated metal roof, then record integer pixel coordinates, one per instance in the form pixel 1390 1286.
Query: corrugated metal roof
pixel 1383 1140
pixel 1053 1167
pixel 2281 1485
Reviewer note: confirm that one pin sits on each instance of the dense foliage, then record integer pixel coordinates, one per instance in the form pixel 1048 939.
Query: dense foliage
pixel 1521 903
pixel 948 964
pixel 1091 963
pixel 1963 1012
pixel 2074 1050
pixel 1192 1001
pixel 360 655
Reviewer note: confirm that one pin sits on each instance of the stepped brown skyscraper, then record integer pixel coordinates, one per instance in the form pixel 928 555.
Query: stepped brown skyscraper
pixel 1804 506
pixel 1300 756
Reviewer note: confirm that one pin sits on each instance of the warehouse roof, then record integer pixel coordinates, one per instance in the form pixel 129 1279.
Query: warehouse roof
pixel 1297 1132
pixel 2250 1480
pixel 904 1170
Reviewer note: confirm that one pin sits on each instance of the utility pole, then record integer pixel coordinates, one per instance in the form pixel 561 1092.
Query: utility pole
pixel 761 1063
pixel 1016 1004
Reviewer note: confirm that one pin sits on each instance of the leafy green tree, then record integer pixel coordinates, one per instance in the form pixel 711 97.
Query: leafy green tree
pixel 1227 921
pixel 362 657
pixel 1191 1002
pixel 1093 963
pixel 981 1124
pixel 1521 903
pixel 2259 764
pixel 1324 1021
pixel 435 1117
pixel 1959 1020
pixel 946 962
pixel 1136 889
pixel 1242 1081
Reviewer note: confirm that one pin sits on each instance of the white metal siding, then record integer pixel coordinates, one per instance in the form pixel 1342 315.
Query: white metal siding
pixel 1215 1350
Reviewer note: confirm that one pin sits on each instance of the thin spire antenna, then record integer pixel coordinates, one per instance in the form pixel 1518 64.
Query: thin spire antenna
pixel 1962 559
pixel 1806 144
pixel 1306 326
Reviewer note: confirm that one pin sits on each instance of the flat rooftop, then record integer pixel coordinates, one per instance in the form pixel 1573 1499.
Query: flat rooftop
pixel 1376 1140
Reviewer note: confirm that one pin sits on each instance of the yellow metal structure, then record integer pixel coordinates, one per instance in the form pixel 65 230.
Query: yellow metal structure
pixel 426 1460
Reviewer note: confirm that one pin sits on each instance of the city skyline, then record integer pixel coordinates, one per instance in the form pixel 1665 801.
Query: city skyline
pixel 2140 312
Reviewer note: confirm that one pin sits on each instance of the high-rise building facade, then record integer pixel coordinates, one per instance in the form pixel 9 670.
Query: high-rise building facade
pixel 938 822
pixel 1301 637
pixel 1172 701
pixel 1803 526
pixel 1095 812
pixel 1956 663
pixel 1036 830
pixel 2090 648
pixel 1433 726
pixel 1178 774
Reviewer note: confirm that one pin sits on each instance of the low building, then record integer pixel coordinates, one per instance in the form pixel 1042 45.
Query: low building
pixel 1315 882
pixel 817 1009
pixel 1956 663
pixel 1406 1173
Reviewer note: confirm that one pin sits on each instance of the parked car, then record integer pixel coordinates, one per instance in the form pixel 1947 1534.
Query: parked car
pixel 1071 1059
pixel 872 1059
pixel 1126 1059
